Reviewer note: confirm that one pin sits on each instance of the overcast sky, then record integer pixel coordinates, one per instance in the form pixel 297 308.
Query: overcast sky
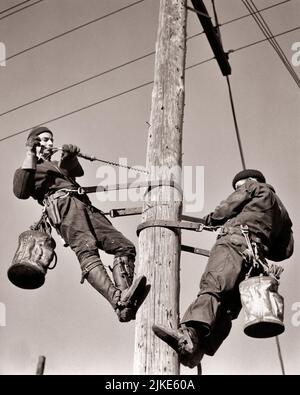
pixel 69 323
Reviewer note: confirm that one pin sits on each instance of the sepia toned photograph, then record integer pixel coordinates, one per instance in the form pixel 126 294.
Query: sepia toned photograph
pixel 150 187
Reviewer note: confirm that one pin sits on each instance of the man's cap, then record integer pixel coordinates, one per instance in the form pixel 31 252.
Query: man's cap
pixel 38 130
pixel 244 174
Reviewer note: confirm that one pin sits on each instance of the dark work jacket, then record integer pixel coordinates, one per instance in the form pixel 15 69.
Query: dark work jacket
pixel 256 204
pixel 48 177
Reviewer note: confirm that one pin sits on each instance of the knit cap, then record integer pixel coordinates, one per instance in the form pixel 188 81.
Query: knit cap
pixel 244 174
pixel 38 130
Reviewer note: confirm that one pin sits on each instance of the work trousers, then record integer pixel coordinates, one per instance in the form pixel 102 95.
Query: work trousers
pixel 218 301
pixel 86 229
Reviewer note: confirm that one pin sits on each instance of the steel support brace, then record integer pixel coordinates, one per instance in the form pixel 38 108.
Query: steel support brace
pixel 195 250
pixel 122 212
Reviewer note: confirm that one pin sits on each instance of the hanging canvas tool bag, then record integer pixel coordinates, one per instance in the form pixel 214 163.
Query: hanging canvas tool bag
pixel 33 257
pixel 263 306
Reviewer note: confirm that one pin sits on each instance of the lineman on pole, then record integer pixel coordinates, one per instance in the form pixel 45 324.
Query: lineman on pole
pixel 82 226
pixel 207 321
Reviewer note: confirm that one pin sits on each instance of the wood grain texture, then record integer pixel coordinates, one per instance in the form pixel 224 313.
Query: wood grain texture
pixel 159 248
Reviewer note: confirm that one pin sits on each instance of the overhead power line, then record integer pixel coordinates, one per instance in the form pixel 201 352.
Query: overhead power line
pixel 237 131
pixel 244 163
pixel 264 39
pixel 93 77
pixel 97 19
pixel 81 109
pixel 78 83
pixel 16 5
pixel 71 30
pixel 243 16
pixel 126 64
pixel 250 14
pixel 21 9
pixel 238 136
pixel 135 88
pixel 262 24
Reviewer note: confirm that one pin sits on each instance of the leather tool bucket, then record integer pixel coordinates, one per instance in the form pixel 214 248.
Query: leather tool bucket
pixel 32 259
pixel 263 307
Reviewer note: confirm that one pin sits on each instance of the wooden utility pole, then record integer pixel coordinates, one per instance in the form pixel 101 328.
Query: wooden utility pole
pixel 159 248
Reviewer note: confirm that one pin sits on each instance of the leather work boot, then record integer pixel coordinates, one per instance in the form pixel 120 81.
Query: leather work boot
pixel 131 299
pixel 134 291
pixel 99 279
pixel 184 340
pixel 125 302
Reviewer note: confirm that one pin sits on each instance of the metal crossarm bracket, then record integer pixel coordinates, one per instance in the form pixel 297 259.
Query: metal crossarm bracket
pixel 212 36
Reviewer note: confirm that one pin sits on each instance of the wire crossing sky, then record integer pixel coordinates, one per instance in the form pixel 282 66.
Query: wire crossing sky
pixel 85 69
pixel 120 94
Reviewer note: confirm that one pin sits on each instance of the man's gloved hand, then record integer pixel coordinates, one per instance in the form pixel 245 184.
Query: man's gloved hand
pixel 69 151
pixel 32 143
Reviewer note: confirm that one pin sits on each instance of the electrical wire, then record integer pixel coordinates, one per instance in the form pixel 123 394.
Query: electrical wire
pixel 78 83
pixel 199 63
pixel 21 9
pixel 126 64
pixel 244 167
pixel 237 132
pixel 263 40
pixel 267 32
pixel 132 89
pixel 269 35
pixel 243 16
pixel 71 30
pixel 92 21
pixel 81 109
pixel 236 124
pixel 247 15
pixel 16 5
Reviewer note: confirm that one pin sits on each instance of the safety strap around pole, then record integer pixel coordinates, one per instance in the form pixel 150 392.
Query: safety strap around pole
pixel 122 212
pixel 138 210
pixel 174 225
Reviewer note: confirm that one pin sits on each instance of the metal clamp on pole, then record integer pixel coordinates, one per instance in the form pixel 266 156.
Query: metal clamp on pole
pixel 173 225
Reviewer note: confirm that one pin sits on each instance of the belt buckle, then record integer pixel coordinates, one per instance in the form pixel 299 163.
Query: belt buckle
pixel 80 191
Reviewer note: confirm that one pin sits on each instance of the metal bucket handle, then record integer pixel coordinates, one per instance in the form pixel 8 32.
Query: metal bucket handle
pixel 55 262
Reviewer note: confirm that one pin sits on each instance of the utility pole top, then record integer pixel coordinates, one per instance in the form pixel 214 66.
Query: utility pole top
pixel 213 37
